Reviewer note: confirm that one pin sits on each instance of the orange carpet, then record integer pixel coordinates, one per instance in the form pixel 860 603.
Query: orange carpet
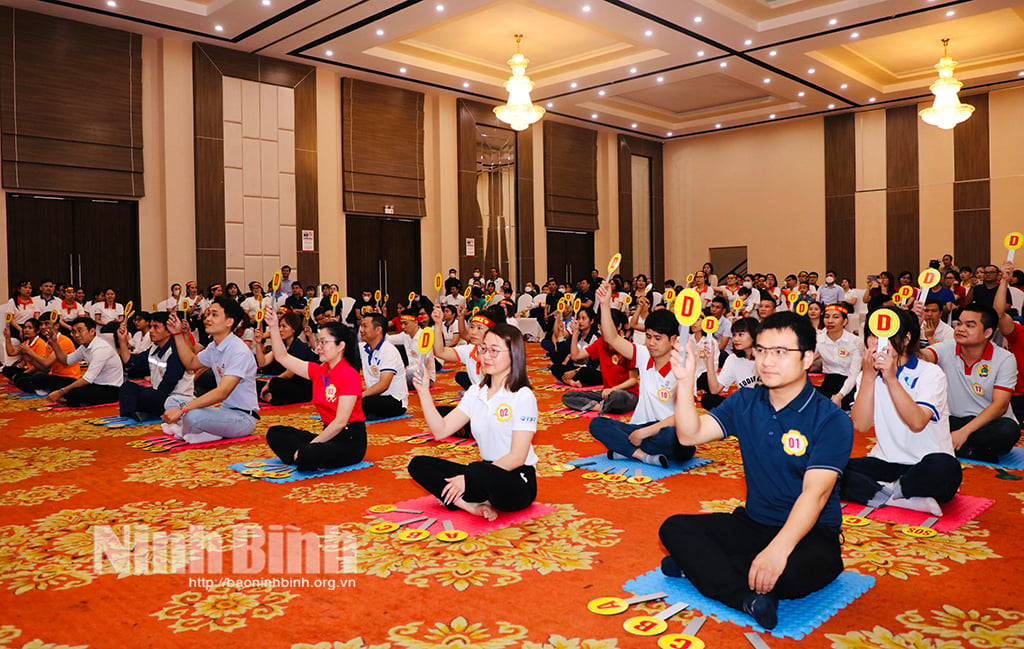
pixel 526 585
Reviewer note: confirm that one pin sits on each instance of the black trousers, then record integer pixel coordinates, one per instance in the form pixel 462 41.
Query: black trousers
pixel 284 392
pixel 832 384
pixel 344 449
pixel 1017 403
pixel 379 406
pixel 709 400
pixel 462 378
pixel 49 382
pixel 585 374
pixel 507 491
pixel 12 371
pixel 25 381
pixel 134 398
pixel 91 395
pixel 936 476
pixel 990 442
pixel 715 551
pixel 204 383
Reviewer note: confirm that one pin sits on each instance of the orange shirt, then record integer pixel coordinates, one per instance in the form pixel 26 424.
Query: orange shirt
pixel 73 371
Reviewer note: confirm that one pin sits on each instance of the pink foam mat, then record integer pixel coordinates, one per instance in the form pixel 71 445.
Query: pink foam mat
pixel 187 447
pixel 954 513
pixel 472 525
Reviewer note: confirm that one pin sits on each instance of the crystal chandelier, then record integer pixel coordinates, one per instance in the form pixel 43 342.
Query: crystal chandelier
pixel 947 111
pixel 519 112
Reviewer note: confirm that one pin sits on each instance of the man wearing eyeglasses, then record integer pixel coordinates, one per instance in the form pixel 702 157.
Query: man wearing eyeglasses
pixel 985 293
pixel 784 543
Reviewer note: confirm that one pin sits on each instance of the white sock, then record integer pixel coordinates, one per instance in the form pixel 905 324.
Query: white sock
pixel 918 504
pixel 174 430
pixel 201 438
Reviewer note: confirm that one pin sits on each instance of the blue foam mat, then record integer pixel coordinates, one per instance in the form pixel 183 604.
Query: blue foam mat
pixel 797 617
pixel 601 463
pixel 371 421
pixel 1012 460
pixel 127 422
pixel 21 396
pixel 273 463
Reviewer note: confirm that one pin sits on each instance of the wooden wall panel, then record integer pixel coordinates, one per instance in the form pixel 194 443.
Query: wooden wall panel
pixel 903 208
pixel 210 65
pixel 840 195
pixel 570 177
pixel 525 220
pixel 971 191
pixel 382 141
pixel 629 147
pixel 71 107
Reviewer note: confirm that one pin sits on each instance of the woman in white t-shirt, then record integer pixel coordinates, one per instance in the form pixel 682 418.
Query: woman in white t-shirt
pixel 903 398
pixel 502 411
pixel 21 305
pixel 700 284
pixel 108 314
pixel 738 367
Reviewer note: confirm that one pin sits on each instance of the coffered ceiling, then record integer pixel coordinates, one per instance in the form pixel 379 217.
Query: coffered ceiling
pixel 660 68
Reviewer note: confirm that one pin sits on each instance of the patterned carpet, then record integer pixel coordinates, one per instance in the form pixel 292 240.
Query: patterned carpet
pixel 66 480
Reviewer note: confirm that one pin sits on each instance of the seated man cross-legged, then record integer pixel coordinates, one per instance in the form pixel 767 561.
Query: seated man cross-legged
pixel 785 542
pixel 102 380
pixel 161 363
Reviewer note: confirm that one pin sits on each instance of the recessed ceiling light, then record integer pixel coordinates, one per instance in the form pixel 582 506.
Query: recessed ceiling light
pixel 402 70
pixel 871 100
pixel 439 7
pixel 772 53
pixel 669 134
pixel 632 70
pixel 648 33
pixel 484 134
pixel 718 126
pixel 698 19
pixel 331 53
pixel 1021 73
pixel 660 79
pixel 833 21
pixel 844 86
pixel 700 53
pixel 748 42
pixel 380 32
pixel 465 84
pixel 855 35
pixel 600 93
pixel 723 64
pixel 810 71
pixel 772 116
pixel 219 28
pixel 573 84
pixel 831 106
pixel 950 13
pixel 632 126
pixel 111 4
pixel 593 116
pixel 767 80
pixel 586 8
pixel 801 93
pixel 266 3
pixel 550 105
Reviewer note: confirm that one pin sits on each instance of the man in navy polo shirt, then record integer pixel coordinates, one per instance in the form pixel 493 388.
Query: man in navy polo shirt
pixel 795 443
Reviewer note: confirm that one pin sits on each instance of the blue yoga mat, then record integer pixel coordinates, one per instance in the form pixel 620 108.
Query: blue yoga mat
pixel 601 463
pixel 1012 460
pixel 272 464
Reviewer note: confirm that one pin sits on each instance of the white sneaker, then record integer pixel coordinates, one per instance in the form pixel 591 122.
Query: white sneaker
pixel 918 504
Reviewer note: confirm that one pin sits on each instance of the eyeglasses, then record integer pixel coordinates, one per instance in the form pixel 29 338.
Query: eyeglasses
pixel 772 352
pixel 491 351
pixel 325 341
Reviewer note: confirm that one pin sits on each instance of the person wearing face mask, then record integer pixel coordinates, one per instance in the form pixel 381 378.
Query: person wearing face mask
pixel 452 280
pixel 364 304
pixel 830 293
pixel 755 295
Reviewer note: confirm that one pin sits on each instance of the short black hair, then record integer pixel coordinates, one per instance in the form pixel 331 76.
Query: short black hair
pixel 721 301
pixel 159 316
pixel 806 335
pixel 909 325
pixel 663 322
pixel 143 315
pixel 84 320
pixel 619 319
pixel 378 321
pixel 989 317
pixel 232 310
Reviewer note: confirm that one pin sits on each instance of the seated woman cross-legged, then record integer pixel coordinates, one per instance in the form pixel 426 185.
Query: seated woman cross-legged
pixel 503 412
pixel 286 387
pixel 904 398
pixel 337 391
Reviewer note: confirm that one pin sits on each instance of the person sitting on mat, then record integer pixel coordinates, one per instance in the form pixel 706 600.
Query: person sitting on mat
pixel 620 382
pixel 337 397
pixel 49 375
pixel 503 412
pixel 386 394
pixel 579 369
pixel 738 367
pixel 101 381
pixel 285 388
pixel 649 436
pixel 32 351
pixel 466 354
pixel 841 353
pixel 785 542
pixel 912 465
pixel 161 363
pixel 195 420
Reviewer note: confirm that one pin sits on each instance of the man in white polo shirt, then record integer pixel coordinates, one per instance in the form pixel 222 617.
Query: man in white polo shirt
pixel 387 393
pixel 102 380
pixel 981 380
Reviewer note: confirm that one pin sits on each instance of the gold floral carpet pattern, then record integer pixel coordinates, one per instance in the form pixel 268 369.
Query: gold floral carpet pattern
pixel 63 480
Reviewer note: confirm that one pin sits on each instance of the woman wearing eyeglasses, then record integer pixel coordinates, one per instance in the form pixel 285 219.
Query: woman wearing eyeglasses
pixel 337 387
pixel 502 412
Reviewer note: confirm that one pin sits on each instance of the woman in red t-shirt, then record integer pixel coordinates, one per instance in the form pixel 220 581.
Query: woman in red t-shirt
pixel 337 387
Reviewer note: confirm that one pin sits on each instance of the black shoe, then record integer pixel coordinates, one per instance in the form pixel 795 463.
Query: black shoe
pixel 763 608
pixel 669 568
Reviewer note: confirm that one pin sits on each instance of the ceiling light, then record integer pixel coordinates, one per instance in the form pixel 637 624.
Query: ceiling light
pixel 600 93
pixel 648 33
pixel 718 126
pixel 871 100
pixel 331 53
pixel 723 64
pixel 947 111
pixel 772 116
pixel 573 84
pixel 700 53
pixel 593 116
pixel 519 112
pixel 698 19
pixel 218 28
pixel 748 42
pixel 586 8
pixel 465 84
pixel 632 70
pixel 801 93
pixel 855 35
pixel 772 53
pixel 402 70
pixel 660 79
pixel 831 106
pixel 632 125
pixel 439 7
pixel 833 21
pixel 810 71
pixel 767 80
pixel 669 134
pixel 550 105
pixel 266 3
pixel 844 87
pixel 950 13
pixel 380 32
pixel 111 4
pixel 1020 74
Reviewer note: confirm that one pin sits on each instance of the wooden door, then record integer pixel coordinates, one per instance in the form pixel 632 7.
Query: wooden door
pixel 570 255
pixel 106 235
pixel 39 240
pixel 383 254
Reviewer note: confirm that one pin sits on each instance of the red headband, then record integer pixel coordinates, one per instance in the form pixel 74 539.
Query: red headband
pixel 482 319
pixel 408 318
pixel 837 307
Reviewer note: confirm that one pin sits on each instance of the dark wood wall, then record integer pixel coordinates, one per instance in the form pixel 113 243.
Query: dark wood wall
pixel 70 106
pixel 902 193
pixel 570 177
pixel 972 227
pixel 209 65
pixel 840 195
pixel 629 147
